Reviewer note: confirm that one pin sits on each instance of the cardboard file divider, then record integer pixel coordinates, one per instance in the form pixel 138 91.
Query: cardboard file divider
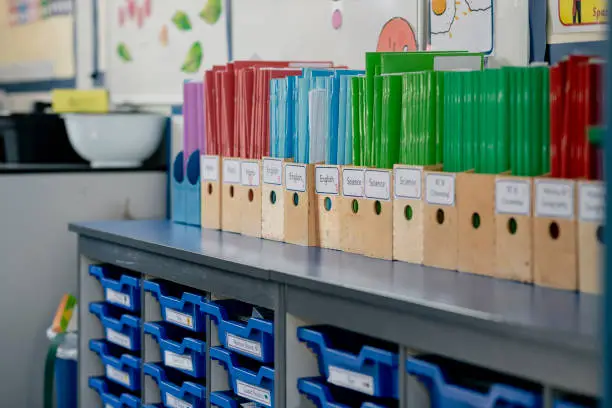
pixel 367 212
pixel 301 217
pixel 554 233
pixel 250 197
pixel 476 248
pixel 408 213
pixel 514 228
pixel 273 199
pixel 231 219
pixel 591 209
pixel 211 179
pixel 327 186
pixel 441 229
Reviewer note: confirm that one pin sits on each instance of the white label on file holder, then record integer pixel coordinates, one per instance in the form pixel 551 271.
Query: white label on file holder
pixel 241 344
pixel 273 171
pixel 295 177
pixel 108 406
pixel 591 200
pixel 353 181
pixel 254 393
pixel 513 197
pixel 350 379
pixel 179 318
pixel 210 168
pixel 440 189
pixel 554 199
pixel 118 298
pixel 117 375
pixel 173 402
pixel 327 180
pixel 231 171
pixel 378 184
pixel 118 338
pixel 178 361
pixel 249 173
pixel 408 183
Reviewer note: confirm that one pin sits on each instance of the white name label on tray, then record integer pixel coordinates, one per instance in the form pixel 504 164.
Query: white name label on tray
pixel 254 393
pixel 327 179
pixel 378 184
pixel 513 197
pixel 231 171
pixel 591 200
pixel 210 168
pixel 118 298
pixel 173 402
pixel 179 318
pixel 554 199
pixel 353 181
pixel 118 338
pixel 295 177
pixel 241 344
pixel 248 405
pixel 273 171
pixel 249 174
pixel 117 375
pixel 178 361
pixel 408 183
pixel 440 189
pixel 350 379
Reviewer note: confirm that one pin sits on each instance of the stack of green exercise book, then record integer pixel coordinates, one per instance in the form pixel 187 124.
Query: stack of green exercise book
pixel 497 121
pixel 398 107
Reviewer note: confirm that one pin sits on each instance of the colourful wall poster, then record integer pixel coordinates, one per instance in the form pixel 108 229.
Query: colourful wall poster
pixel 461 25
pixel 333 30
pixel 153 46
pixel 583 12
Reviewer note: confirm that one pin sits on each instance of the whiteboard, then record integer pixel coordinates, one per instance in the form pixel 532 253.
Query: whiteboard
pixel 153 46
pixel 337 30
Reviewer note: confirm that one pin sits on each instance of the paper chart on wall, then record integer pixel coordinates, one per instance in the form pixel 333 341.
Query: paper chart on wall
pixel 337 30
pixel 461 25
pixel 578 16
pixel 153 46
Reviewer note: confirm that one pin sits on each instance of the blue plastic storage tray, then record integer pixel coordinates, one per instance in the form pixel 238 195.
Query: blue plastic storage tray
pixel 175 392
pixel 185 354
pixel 185 312
pixel 111 395
pixel 120 329
pixel 324 395
pixel 255 382
pixel 120 289
pixel 226 399
pixel 123 369
pixel 446 395
pixel 366 368
pixel 254 339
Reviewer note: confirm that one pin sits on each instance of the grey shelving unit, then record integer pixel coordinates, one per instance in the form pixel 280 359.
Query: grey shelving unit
pixel 542 335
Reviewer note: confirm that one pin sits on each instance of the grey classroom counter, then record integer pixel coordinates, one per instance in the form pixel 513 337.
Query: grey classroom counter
pixel 545 335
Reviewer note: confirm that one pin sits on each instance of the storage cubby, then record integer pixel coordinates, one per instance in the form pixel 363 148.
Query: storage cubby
pixel 113 395
pixel 179 305
pixel 354 361
pixel 120 328
pixel 121 288
pixel 120 367
pixel 325 395
pixel 451 383
pixel 175 388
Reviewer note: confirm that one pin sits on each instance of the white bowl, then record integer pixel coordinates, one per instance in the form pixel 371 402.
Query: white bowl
pixel 115 140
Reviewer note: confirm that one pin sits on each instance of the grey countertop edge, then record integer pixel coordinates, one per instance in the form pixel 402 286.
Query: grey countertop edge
pixel 188 256
pixel 456 316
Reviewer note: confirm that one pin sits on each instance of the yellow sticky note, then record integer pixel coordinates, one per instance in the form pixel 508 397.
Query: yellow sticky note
pixel 583 12
pixel 80 101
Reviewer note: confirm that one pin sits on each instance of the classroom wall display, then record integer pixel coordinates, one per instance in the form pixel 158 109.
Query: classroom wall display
pixel 336 30
pixel 576 16
pixel 462 25
pixel 153 46
pixel 28 11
